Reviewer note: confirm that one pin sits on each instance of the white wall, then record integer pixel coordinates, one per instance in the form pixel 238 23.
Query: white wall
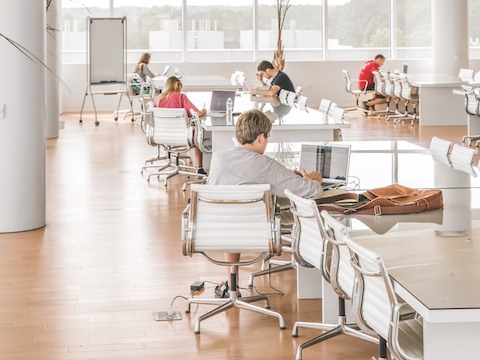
pixel 319 79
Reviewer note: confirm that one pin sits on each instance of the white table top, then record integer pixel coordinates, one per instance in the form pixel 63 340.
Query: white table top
pixel 199 82
pixel 435 80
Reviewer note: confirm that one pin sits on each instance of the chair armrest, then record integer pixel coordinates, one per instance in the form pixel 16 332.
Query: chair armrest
pixel 401 312
pixel 186 231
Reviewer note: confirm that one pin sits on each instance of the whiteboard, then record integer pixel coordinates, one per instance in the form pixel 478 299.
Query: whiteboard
pixel 107 50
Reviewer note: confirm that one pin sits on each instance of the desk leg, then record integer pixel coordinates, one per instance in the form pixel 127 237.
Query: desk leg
pixel 447 341
pixel 439 106
pixel 309 283
pixel 473 125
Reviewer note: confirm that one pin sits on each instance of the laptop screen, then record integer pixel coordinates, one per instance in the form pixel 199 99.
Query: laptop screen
pixel 219 99
pixel 330 160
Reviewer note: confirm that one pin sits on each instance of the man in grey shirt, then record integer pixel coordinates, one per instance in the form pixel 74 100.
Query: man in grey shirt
pixel 246 164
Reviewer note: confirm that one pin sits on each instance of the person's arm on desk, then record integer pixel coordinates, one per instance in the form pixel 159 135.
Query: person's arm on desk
pixel 273 91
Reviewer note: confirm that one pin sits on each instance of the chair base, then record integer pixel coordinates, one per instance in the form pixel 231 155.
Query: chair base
pixel 171 169
pixel 233 301
pixel 332 330
pixel 289 265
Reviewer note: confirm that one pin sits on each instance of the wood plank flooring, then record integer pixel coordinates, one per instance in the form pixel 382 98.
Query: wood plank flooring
pixel 86 285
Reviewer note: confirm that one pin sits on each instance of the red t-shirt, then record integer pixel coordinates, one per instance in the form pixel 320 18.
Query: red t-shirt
pixel 175 100
pixel 366 74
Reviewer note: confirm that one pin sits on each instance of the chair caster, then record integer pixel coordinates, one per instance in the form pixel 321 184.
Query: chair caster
pixel 80 121
pixel 97 123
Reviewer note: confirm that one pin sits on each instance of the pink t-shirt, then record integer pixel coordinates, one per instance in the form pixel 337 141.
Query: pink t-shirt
pixel 175 100
pixel 366 74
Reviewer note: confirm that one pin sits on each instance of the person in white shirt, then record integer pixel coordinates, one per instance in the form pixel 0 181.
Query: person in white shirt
pixel 247 164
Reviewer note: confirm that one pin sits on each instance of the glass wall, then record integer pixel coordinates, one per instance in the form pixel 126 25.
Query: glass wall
pixel 414 29
pixel 301 33
pixel 245 30
pixel 358 29
pixel 219 30
pixel 474 28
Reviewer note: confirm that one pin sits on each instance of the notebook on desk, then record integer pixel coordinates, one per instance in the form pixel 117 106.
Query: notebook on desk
pixel 332 161
pixel 218 103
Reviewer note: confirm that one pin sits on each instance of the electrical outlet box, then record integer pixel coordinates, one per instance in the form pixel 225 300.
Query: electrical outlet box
pixel 197 286
pixel 2 111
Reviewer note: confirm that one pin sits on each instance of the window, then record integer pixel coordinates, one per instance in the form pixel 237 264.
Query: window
pixel 219 30
pixel 358 29
pixel 414 29
pixel 474 28
pixel 301 34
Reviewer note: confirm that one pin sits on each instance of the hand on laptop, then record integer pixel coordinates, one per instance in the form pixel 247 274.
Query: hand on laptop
pixel 311 176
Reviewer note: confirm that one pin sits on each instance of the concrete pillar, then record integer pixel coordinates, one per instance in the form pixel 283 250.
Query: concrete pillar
pixel 22 129
pixel 449 36
pixel 53 56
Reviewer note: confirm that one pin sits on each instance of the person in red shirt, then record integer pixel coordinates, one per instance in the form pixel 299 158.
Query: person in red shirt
pixel 366 80
pixel 171 97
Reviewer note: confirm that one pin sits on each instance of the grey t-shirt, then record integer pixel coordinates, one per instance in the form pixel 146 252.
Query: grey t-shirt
pixel 237 166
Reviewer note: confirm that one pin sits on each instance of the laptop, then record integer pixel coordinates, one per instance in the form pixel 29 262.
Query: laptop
pixel 332 161
pixel 218 103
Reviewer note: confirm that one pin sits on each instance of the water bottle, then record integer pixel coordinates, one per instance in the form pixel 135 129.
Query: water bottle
pixel 229 111
pixel 177 72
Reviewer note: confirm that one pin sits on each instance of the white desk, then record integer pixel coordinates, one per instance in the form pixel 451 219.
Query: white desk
pixel 199 83
pixel 290 123
pixel 438 105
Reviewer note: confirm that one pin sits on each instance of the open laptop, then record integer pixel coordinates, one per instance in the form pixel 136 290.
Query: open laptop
pixel 332 161
pixel 218 103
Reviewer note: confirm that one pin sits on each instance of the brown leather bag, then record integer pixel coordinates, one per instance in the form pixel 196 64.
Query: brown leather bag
pixel 388 200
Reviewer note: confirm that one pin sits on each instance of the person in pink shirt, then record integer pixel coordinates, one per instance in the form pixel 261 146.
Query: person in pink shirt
pixel 171 97
pixel 366 80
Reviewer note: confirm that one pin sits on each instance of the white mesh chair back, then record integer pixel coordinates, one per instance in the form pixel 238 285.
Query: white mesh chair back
pixel 171 127
pixel 342 274
pixel 282 96
pixel 471 101
pixel 291 97
pixel 331 109
pixel 440 150
pixel 388 84
pixel 461 158
pixel 308 235
pixel 406 88
pixel 338 114
pixel 376 306
pixel 348 81
pixel 302 100
pixel 466 74
pixel 397 86
pixel 379 83
pixel 200 140
pixel 231 218
pixel 324 105
pixel 298 90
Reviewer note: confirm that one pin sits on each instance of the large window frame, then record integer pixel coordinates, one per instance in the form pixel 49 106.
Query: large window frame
pixel 323 53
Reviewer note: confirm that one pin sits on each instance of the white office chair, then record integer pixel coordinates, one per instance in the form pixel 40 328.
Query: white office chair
pixel 302 101
pixel 291 97
pixel 440 150
pixel 172 131
pixel 377 307
pixel 461 158
pixel 338 114
pixel 472 108
pixel 466 74
pixel 313 246
pixel 132 80
pixel 332 107
pixel 351 86
pixel 324 106
pixel 282 96
pixel 397 96
pixel 410 97
pixel 231 219
pixel 383 86
pixel 298 90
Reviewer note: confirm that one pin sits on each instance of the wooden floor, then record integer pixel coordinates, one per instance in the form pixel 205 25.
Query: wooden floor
pixel 86 286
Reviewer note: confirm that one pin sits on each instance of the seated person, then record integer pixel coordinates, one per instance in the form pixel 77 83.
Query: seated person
pixel 246 164
pixel 171 97
pixel 141 67
pixel 366 81
pixel 280 80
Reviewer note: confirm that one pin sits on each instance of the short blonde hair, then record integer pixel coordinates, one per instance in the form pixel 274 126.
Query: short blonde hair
pixel 250 124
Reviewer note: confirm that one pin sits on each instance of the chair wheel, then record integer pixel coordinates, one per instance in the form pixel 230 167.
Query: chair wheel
pixel 115 118
pixel 80 121
pixel 97 123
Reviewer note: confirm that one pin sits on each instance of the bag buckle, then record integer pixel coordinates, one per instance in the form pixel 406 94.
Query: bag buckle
pixel 377 210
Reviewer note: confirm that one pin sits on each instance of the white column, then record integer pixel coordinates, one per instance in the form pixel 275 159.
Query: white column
pixel 449 36
pixel 22 130
pixel 53 62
